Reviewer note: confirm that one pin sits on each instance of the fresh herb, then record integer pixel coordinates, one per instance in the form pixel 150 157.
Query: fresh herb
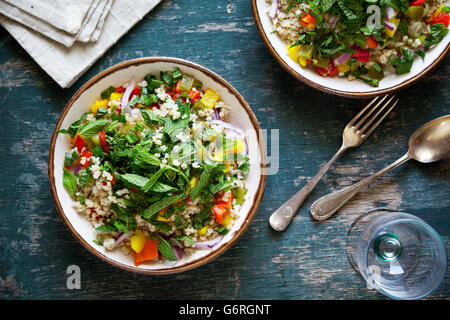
pixel 165 249
pixel 70 182
pixel 404 63
pixel 438 32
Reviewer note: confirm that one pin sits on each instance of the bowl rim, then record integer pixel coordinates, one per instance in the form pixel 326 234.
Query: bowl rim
pixel 341 93
pixel 259 192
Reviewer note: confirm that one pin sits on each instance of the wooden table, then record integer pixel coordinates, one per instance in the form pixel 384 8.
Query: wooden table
pixel 305 262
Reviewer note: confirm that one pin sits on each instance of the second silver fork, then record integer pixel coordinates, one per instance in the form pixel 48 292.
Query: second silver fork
pixel 355 133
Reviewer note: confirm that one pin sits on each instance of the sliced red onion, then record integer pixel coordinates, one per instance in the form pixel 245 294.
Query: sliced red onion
pixel 126 95
pixel 415 29
pixel 123 236
pixel 227 125
pixel 174 242
pixel 209 244
pixel 77 169
pixel 216 114
pixel 342 59
pixel 390 13
pixel 178 252
pixel 333 21
pixel 273 11
pixel 390 25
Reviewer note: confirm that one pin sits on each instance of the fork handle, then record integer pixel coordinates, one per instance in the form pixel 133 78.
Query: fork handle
pixel 326 206
pixel 280 219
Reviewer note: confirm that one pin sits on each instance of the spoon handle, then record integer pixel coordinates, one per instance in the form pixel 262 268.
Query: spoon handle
pixel 280 219
pixel 326 206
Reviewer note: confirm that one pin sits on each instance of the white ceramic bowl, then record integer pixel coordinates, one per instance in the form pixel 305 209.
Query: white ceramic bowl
pixel 241 116
pixel 338 85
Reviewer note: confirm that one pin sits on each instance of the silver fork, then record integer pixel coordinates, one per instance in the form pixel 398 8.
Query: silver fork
pixel 355 133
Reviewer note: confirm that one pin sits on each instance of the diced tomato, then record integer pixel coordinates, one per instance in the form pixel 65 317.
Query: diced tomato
pixel 149 252
pixel 220 212
pixel 371 42
pixel 118 110
pixel 441 18
pixel 170 93
pixel 331 71
pixel 79 143
pixel 103 142
pixel 417 2
pixel 87 154
pixel 308 21
pixel 135 92
pixel 119 89
pixel 225 199
pixel 194 94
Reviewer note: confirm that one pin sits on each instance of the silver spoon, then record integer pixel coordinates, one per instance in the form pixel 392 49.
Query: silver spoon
pixel 429 143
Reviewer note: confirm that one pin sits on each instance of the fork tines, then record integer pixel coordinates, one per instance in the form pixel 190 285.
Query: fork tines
pixel 377 106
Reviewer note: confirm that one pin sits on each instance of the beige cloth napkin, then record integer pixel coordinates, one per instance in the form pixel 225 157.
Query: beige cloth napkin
pixel 66 65
pixel 59 13
pixel 92 22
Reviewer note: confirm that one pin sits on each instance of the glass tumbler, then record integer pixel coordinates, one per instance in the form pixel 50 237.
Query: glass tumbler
pixel 397 253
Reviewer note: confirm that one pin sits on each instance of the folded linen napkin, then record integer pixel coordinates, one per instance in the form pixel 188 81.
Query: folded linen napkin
pixel 66 65
pixel 98 30
pixel 92 22
pixel 62 14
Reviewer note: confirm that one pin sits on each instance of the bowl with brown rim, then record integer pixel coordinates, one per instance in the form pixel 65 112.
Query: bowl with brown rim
pixel 241 116
pixel 339 85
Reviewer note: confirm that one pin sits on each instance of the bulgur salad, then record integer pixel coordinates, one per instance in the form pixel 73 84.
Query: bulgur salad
pixel 359 39
pixel 157 168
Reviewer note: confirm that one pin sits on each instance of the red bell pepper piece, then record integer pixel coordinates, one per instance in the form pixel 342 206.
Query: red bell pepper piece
pixel 103 142
pixel 371 42
pixel 360 54
pixel 225 199
pixel 87 154
pixel 441 18
pixel 119 89
pixel 135 92
pixel 194 94
pixel 149 252
pixel 177 87
pixel 220 212
pixel 79 143
pixel 331 71
pixel 417 3
pixel 308 21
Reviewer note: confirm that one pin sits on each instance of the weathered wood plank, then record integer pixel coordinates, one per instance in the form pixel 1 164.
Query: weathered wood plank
pixel 305 262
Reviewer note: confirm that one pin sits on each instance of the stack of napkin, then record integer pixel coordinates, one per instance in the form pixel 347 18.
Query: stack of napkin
pixel 66 37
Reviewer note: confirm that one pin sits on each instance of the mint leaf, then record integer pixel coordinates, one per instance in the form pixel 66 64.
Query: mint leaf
pixel 70 182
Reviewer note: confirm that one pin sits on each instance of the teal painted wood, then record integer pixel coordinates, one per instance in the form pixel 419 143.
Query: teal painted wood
pixel 305 262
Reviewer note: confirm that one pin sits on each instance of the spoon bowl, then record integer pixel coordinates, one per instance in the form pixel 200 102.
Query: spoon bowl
pixel 431 142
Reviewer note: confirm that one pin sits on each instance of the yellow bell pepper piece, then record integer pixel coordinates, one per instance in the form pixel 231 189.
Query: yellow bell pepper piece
pixel 226 220
pixel 292 52
pixel 98 104
pixel 303 61
pixel 343 67
pixel 160 218
pixel 390 33
pixel 227 168
pixel 193 182
pixel 137 241
pixel 202 231
pixel 435 14
pixel 210 98
pixel 218 157
pixel 238 147
pixel 116 96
